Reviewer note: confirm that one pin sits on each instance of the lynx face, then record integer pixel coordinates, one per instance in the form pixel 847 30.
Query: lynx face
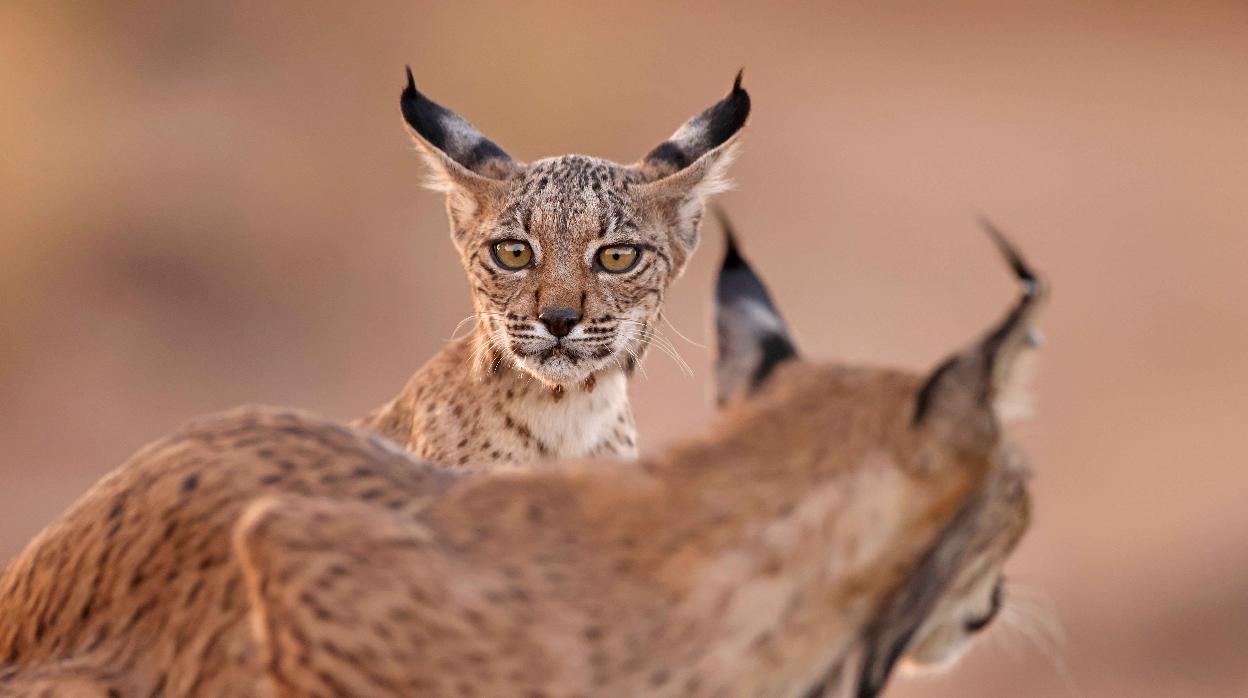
pixel 570 272
pixel 955 418
pixel 569 258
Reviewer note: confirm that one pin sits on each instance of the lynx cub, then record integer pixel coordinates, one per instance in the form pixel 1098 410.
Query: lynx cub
pixel 835 520
pixel 568 259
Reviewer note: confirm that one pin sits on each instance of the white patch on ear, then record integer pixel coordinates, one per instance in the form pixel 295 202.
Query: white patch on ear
pixel 1015 400
pixel 462 187
pixel 444 174
pixel 714 181
pixel 691 186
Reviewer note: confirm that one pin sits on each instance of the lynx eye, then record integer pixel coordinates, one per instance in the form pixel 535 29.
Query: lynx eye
pixel 618 259
pixel 512 254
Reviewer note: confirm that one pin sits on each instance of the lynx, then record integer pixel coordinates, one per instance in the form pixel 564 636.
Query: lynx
pixel 568 260
pixel 836 520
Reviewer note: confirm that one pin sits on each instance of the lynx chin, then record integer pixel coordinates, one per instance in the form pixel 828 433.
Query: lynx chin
pixel 568 260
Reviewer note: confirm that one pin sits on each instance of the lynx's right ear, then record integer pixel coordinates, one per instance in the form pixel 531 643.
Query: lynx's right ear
pixel 751 336
pixel 705 133
pixel 691 165
pixel 982 385
pixel 464 163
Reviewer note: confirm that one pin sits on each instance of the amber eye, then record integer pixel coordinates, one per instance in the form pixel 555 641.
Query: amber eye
pixel 512 254
pixel 618 258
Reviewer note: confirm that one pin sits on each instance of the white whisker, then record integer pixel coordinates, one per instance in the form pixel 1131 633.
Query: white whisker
pixel 1031 615
pixel 680 334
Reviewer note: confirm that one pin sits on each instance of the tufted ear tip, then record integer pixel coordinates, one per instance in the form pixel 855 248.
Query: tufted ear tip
pixel 731 113
pixel 702 134
pixel 985 378
pixel 444 133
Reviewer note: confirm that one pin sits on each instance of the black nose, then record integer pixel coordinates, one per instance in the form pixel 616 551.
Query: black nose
pixel 559 321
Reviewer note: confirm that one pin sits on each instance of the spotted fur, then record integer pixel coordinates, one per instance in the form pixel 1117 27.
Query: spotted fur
pixel 514 391
pixel 811 538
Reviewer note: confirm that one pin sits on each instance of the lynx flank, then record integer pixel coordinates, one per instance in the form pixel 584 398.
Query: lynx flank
pixel 568 259
pixel 835 520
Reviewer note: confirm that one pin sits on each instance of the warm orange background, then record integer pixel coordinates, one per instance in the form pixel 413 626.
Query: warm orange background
pixel 213 206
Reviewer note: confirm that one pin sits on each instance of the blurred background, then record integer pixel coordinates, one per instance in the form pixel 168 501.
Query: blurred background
pixel 208 204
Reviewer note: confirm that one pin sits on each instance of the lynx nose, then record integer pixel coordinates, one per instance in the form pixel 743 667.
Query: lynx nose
pixel 559 321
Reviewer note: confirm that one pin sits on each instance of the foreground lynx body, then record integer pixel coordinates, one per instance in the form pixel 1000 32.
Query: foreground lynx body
pixel 836 520
pixel 568 259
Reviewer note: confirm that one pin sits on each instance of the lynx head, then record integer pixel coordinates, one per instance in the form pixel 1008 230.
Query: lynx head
pixel 951 420
pixel 569 257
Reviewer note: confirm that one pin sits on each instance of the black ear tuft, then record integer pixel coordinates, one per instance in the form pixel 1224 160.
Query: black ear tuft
pixel 728 115
pixel 1013 257
pixel 978 377
pixel 752 338
pixel 732 256
pixel 702 133
pixel 447 131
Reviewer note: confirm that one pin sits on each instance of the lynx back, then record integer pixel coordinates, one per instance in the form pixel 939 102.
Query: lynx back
pixel 835 521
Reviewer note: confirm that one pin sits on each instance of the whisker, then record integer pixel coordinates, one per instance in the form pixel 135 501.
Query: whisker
pixel 1031 615
pixel 662 346
pixel 663 316
pixel 458 325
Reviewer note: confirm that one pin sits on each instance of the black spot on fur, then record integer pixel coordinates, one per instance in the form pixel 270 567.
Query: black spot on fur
pixel 190 483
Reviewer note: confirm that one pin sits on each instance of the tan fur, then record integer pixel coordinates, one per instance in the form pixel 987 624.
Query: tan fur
pixel 513 392
pixel 746 562
pixel 833 520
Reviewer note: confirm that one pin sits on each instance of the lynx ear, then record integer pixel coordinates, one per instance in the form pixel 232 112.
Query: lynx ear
pixel 459 155
pixel 985 380
pixel 691 165
pixel 751 337
pixel 702 134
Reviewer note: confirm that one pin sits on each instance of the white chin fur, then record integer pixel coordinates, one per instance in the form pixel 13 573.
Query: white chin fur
pixel 559 370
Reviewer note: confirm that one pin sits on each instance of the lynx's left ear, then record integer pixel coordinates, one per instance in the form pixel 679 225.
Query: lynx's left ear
pixel 691 165
pixel 464 164
pixel 985 384
pixel 751 336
